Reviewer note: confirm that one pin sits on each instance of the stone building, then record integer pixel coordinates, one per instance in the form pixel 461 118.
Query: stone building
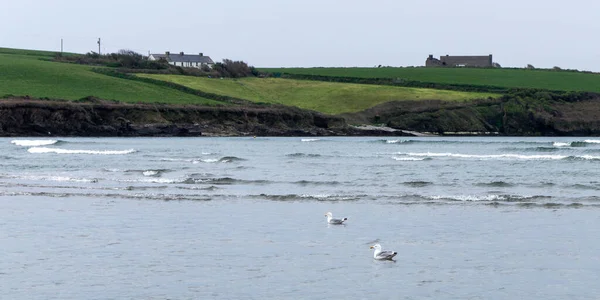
pixel 460 61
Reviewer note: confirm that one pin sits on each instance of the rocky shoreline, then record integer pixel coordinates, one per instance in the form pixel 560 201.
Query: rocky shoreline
pixel 93 117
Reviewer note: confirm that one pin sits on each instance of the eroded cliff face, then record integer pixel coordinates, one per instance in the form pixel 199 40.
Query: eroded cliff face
pixel 100 118
pixel 29 117
pixel 557 118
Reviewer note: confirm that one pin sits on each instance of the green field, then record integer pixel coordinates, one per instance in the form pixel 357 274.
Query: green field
pixel 327 97
pixel 22 73
pixel 39 53
pixel 517 78
pixel 31 73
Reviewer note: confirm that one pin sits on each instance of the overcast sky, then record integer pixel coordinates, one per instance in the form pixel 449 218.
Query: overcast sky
pixel 312 33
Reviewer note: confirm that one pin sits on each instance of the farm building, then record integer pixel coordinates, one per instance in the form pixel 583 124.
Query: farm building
pixel 184 60
pixel 459 61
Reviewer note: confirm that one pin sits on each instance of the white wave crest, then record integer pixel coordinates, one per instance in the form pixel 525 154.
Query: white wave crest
pixel 69 151
pixel 471 198
pixel 408 158
pixel 177 159
pixel 560 144
pixel 150 173
pixel 310 140
pixel 488 156
pixel 52 178
pixel 592 141
pixel 208 160
pixel 33 143
pixel 394 141
pixel 153 180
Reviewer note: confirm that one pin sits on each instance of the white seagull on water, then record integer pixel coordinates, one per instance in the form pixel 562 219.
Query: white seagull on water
pixel 331 220
pixel 382 255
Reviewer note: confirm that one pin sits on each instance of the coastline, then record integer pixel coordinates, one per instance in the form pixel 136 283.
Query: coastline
pixel 92 117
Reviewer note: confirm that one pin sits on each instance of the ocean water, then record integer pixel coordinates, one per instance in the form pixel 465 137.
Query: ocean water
pixel 243 218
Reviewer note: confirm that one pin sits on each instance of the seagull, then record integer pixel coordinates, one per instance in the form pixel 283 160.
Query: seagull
pixel 382 255
pixel 331 220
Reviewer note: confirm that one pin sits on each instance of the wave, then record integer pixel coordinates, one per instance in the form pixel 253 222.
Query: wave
pixel 578 144
pixel 397 141
pixel 309 197
pixel 550 205
pixel 417 183
pixel 225 159
pixel 228 159
pixel 410 158
pixel 499 156
pixel 151 173
pixel 177 159
pixel 153 179
pixel 83 187
pixel 50 178
pixel 308 182
pixel 585 186
pixel 488 198
pixel 139 196
pixel 33 143
pixel 569 144
pixel 206 188
pixel 539 149
pixel 202 179
pixel 303 155
pixel 487 142
pixel 310 140
pixel 495 184
pixel 584 157
pixel 70 151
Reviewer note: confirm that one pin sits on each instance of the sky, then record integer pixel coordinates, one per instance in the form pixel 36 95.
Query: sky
pixel 316 33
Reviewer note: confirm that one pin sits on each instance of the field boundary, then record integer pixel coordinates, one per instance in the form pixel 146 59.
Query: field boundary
pixel 409 83
pixel 172 85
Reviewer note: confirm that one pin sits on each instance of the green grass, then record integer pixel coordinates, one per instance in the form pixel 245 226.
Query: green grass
pixel 22 73
pixel 327 97
pixel 512 78
pixel 40 53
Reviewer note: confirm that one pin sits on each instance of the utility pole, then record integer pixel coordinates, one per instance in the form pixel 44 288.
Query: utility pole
pixel 61 46
pixel 98 46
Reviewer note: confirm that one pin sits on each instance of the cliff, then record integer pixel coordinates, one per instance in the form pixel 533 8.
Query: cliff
pixel 579 116
pixel 94 117
pixel 506 116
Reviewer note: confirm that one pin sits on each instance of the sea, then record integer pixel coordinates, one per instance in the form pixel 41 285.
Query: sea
pixel 243 218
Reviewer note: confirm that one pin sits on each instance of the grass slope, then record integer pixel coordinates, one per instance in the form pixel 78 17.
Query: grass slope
pixel 23 72
pixel 512 78
pixel 327 97
pixel 40 53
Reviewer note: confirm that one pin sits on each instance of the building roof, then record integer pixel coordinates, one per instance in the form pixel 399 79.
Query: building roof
pixel 178 57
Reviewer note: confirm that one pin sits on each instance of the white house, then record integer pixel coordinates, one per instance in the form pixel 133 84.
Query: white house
pixel 184 60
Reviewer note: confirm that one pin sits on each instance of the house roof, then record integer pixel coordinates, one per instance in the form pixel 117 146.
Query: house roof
pixel 177 57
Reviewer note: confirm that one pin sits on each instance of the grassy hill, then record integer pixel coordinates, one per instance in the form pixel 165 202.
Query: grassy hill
pixel 26 72
pixel 511 78
pixel 32 73
pixel 327 97
pixel 39 53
